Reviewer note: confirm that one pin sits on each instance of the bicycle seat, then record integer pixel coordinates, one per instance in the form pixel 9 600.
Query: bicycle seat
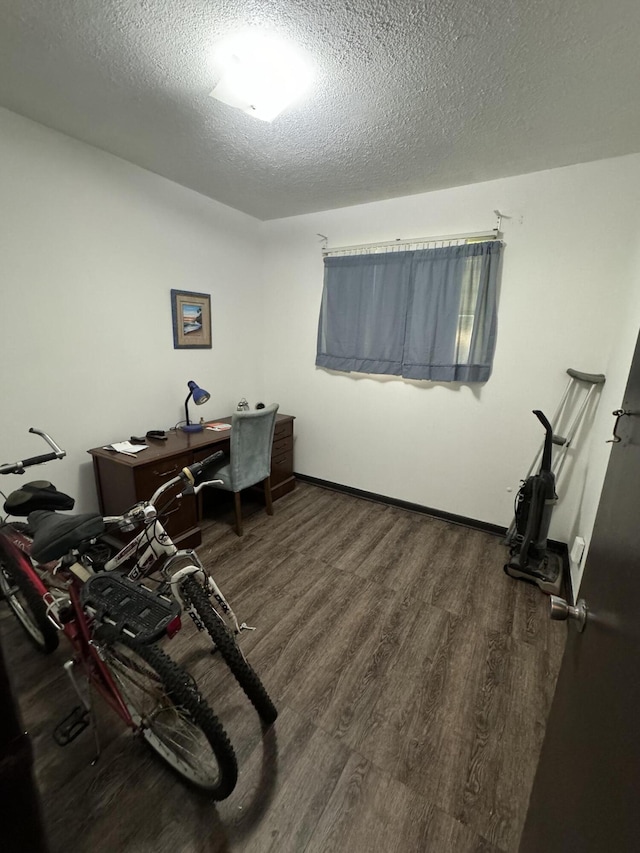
pixel 39 494
pixel 55 535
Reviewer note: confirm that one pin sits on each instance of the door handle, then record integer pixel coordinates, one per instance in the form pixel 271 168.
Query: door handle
pixel 619 413
pixel 562 610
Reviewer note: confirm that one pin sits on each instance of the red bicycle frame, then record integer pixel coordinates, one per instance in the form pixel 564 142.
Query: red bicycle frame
pixel 77 628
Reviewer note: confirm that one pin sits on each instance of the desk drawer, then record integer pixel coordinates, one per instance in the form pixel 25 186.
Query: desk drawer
pixel 282 445
pixel 281 468
pixel 282 429
pixel 282 458
pixel 151 476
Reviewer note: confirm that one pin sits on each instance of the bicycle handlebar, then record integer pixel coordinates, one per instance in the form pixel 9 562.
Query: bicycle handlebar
pixel 193 471
pixel 19 466
pixel 57 450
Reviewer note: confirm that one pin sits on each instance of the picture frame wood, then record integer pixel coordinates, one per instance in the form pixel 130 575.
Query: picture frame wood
pixel 191 316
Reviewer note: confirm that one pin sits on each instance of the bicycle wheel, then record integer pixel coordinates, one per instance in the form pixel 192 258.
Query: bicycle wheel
pixel 172 716
pixel 229 649
pixel 26 602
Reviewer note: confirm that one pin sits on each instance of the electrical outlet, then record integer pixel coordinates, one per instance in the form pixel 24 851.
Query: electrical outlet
pixel 577 550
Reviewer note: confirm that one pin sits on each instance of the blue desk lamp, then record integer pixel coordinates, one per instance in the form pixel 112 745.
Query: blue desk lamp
pixel 200 396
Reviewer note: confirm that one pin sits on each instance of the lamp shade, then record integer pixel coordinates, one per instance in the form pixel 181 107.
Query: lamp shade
pixel 199 396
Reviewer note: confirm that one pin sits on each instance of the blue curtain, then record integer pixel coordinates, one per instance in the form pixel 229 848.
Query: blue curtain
pixel 428 314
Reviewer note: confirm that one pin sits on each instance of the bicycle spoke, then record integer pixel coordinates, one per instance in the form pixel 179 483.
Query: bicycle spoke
pixel 169 736
pixel 169 716
pixel 14 596
pixel 140 697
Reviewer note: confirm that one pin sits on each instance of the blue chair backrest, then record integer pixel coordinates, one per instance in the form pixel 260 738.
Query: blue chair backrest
pixel 251 443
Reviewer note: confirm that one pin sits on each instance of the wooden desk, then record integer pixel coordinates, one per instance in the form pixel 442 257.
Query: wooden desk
pixel 122 481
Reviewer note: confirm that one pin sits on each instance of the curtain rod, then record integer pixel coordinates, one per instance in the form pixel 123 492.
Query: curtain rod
pixel 472 236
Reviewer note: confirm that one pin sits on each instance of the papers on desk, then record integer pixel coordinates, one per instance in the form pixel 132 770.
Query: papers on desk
pixel 218 427
pixel 126 447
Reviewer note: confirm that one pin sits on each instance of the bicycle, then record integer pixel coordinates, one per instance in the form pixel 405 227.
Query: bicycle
pixel 26 603
pixel 112 624
pixel 152 551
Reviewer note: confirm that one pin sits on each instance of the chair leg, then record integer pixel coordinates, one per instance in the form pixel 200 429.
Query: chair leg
pixel 238 508
pixel 267 496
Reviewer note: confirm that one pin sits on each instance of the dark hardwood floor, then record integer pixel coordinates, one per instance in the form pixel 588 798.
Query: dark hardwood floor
pixel 413 681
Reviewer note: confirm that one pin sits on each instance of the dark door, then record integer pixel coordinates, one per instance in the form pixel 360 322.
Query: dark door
pixel 586 794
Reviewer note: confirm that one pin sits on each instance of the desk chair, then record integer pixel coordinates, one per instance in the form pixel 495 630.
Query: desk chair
pixel 250 457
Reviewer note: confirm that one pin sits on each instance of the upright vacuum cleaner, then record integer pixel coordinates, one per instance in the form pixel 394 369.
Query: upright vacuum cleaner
pixel 526 538
pixel 529 558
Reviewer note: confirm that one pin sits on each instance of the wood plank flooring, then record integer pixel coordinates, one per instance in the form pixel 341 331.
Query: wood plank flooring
pixel 413 680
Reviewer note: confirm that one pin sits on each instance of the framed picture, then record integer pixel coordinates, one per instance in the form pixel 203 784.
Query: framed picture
pixel 191 314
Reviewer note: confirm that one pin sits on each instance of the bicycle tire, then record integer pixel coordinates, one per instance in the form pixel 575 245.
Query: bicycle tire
pixel 26 603
pixel 177 702
pixel 224 640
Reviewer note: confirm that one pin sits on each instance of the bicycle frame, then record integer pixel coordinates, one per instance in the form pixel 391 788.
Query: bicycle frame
pixel 154 550
pixel 79 599
pixel 78 632
pixel 22 542
pixel 64 608
pixel 154 543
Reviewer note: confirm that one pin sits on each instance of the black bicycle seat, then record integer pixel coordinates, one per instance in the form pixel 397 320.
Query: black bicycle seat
pixel 39 494
pixel 55 535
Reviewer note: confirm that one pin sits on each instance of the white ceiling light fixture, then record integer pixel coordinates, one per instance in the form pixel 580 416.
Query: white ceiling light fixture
pixel 261 74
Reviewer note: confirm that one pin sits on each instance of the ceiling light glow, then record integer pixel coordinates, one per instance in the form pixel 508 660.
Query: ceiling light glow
pixel 261 74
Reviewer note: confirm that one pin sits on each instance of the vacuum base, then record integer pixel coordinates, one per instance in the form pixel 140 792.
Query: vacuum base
pixel 547 574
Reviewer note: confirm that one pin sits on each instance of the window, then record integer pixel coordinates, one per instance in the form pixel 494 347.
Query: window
pixel 426 314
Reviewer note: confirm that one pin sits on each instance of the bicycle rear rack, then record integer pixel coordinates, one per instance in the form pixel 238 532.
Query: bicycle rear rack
pixel 129 608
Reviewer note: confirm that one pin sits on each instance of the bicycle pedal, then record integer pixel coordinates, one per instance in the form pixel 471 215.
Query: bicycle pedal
pixel 72 726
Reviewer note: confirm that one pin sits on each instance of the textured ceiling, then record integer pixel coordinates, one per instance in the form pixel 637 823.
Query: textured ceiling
pixel 408 96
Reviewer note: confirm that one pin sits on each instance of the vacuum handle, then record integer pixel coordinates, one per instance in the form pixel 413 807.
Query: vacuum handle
pixel 546 454
pixel 543 420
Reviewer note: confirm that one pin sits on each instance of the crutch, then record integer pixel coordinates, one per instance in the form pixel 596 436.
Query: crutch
pixel 563 442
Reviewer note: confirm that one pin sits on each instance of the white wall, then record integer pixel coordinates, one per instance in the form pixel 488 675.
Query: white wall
pixel 91 247
pixel 567 286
